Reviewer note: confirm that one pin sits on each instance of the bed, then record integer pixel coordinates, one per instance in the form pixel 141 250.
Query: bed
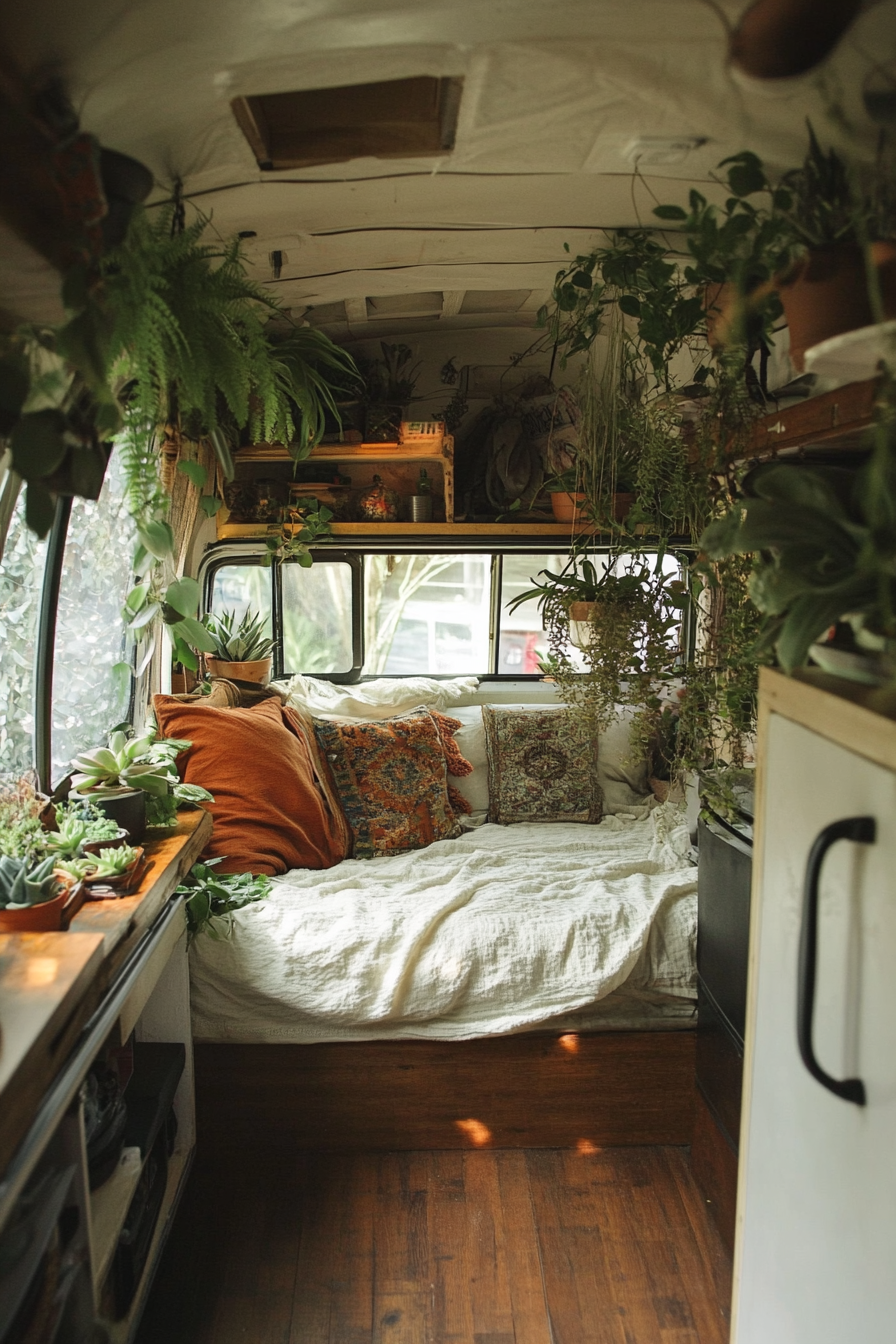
pixel 558 957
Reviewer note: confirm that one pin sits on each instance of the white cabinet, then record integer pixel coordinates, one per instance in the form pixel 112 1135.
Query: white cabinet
pixel 816 1243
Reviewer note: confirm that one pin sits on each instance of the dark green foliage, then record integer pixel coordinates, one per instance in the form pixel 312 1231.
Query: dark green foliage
pixel 211 896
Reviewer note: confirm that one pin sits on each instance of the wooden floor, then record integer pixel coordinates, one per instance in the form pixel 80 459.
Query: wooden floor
pixel 525 1246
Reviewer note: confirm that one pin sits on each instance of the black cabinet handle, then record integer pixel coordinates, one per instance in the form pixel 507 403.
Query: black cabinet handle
pixel 863 831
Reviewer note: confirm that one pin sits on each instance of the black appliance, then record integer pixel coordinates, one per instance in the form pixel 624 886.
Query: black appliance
pixel 725 845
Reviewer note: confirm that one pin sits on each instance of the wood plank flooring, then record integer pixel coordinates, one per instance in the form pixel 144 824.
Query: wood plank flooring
pixel 521 1246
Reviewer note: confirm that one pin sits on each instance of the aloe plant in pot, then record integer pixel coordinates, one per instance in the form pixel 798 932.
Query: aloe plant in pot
pixel 242 650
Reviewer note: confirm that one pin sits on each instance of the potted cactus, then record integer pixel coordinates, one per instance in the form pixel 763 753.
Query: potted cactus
pixel 35 898
pixel 242 651
pixel 117 779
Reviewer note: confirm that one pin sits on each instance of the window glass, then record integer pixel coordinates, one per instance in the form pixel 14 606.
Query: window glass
pixel 21 575
pixel 317 617
pixel 240 588
pixel 523 642
pixel 88 699
pixel 427 614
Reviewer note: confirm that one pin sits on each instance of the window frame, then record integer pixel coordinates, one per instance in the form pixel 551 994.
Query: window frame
pixel 248 552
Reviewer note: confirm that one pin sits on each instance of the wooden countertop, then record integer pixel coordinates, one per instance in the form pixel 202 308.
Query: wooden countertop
pixel 51 983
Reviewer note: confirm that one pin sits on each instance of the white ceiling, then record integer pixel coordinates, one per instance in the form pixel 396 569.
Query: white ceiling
pixel 553 94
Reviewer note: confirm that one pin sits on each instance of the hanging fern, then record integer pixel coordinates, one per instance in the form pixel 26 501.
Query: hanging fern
pixel 178 321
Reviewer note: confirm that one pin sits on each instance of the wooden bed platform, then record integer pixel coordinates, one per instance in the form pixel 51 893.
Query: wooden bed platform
pixel 537 1090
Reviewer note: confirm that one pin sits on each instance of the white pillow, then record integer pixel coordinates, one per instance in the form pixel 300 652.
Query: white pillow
pixel 382 699
pixel 622 777
pixel 471 742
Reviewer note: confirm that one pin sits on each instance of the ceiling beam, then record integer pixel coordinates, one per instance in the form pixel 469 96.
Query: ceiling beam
pixel 451 301
pixel 356 313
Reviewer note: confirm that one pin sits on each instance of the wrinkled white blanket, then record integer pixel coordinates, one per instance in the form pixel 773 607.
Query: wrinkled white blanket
pixel 374 699
pixel 494 932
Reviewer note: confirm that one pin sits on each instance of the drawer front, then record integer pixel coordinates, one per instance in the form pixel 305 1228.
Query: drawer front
pixel 720 1067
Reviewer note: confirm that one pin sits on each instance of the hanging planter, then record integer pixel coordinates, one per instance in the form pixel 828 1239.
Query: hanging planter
pixel 826 293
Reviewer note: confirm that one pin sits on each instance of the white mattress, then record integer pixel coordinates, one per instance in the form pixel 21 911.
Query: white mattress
pixel 506 929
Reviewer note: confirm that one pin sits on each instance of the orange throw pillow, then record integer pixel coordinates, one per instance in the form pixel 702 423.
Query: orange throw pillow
pixel 270 814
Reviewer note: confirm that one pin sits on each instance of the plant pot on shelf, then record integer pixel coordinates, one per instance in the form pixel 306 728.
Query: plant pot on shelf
pixel 115 842
pixel 48 916
pixel 383 423
pixel 99 888
pixel 623 500
pixel 127 807
pixel 826 293
pixel 257 670
pixel 568 508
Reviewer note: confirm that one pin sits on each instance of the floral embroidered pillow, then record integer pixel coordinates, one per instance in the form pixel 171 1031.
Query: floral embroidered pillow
pixel 542 766
pixel 392 779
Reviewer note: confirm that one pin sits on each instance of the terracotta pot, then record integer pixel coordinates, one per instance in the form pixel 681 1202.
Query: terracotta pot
pixel 826 294
pixel 778 39
pixel 99 888
pixel 567 507
pixel 257 669
pixel 116 841
pixel 48 917
pixel 622 505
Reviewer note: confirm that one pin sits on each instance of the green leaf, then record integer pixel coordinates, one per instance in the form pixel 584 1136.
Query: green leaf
pixel 158 538
pixel 145 615
pixel 210 504
pixel 40 508
pixel 183 595
pixel 582 280
pixel 630 305
pixel 670 212
pixel 195 633
pixel 121 679
pixel 37 443
pixel 195 471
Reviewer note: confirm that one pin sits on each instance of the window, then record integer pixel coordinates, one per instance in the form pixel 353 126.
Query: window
pixel 317 618
pixel 407 614
pixel 427 614
pixel 21 575
pixel 88 697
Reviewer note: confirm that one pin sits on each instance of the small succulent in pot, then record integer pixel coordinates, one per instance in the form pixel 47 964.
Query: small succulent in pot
pixel 22 885
pixel 119 766
pixel 79 824
pixel 242 650
pixel 115 862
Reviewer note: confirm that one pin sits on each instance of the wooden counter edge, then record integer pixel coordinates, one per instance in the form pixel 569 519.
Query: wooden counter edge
pixel 120 925
pixel 860 718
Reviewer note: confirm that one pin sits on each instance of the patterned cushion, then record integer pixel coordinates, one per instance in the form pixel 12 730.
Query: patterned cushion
pixel 392 780
pixel 542 766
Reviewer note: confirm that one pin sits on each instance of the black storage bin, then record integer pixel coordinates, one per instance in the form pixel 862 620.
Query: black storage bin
pixel 725 867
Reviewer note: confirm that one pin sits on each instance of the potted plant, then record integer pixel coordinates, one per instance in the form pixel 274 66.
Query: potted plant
pixel 116 870
pixel 118 778
pixel 390 385
pixel 242 650
pixel 625 623
pixel 80 828
pixel 34 898
pixel 823 542
pixel 568 501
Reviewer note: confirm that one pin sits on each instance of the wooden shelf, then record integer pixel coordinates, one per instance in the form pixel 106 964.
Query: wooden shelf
pixel 440 450
pixel 563 531
pixel 108 1209
pixel 835 420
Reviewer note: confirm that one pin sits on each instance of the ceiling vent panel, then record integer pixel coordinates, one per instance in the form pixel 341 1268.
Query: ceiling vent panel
pixel 392 119
pixel 494 300
pixel 405 305
pixel 326 313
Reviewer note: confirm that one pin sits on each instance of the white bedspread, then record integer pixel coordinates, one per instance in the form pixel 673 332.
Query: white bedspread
pixel 491 933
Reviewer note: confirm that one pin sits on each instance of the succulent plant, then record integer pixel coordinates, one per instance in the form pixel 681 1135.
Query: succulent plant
pixel 77 824
pixel 76 869
pixel 105 770
pixel 21 885
pixel 245 644
pixel 114 862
